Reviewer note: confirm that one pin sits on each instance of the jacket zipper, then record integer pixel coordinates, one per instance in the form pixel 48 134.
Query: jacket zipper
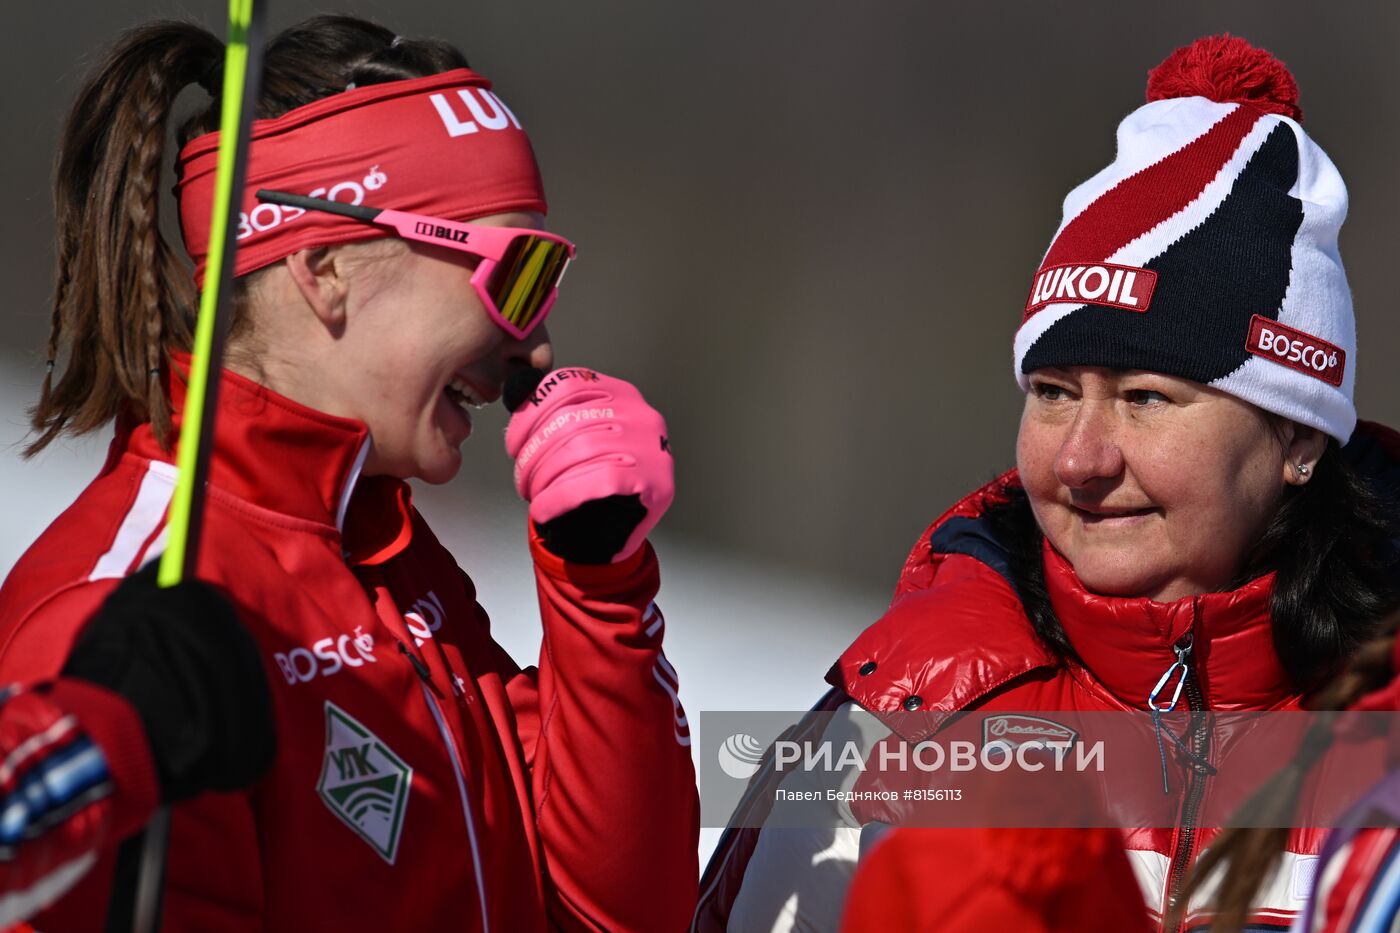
pixel 425 678
pixel 1195 791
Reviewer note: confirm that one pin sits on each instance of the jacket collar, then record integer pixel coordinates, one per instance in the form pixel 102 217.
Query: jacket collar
pixel 289 459
pixel 1127 644
pixel 956 630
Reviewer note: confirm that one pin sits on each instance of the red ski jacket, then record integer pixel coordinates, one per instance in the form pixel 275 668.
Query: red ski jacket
pixel 423 780
pixel 956 637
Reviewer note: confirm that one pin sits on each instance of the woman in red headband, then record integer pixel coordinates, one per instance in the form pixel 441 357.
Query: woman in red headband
pixel 392 274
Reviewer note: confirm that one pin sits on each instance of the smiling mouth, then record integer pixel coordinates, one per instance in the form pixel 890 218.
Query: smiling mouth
pixel 1102 516
pixel 464 396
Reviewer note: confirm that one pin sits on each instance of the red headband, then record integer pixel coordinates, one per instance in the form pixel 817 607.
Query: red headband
pixel 441 145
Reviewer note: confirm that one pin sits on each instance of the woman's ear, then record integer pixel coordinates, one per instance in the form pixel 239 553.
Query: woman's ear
pixel 1303 447
pixel 319 275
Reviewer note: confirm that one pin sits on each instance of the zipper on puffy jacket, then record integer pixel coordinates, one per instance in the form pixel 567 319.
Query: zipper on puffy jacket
pixel 1197 771
pixel 458 772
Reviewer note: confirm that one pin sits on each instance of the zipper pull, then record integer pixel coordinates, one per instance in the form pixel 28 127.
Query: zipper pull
pixel 1179 669
pixel 417 663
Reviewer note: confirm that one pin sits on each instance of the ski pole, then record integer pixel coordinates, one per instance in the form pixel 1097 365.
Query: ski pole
pixel 242 72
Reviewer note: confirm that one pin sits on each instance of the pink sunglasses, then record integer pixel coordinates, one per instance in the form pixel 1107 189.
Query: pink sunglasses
pixel 520 269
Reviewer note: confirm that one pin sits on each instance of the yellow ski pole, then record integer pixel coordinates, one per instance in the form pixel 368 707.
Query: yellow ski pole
pixel 138 907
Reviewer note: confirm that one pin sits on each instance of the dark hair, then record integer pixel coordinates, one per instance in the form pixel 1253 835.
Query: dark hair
pixel 123 297
pixel 1331 544
pixel 1013 525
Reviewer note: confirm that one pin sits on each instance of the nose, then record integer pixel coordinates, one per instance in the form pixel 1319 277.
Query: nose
pixel 535 350
pixel 1090 451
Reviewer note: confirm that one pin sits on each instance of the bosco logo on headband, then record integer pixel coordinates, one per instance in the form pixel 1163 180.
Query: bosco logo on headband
pixel 266 216
pixel 444 145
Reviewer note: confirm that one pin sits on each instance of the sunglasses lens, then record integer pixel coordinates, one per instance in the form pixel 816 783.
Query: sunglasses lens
pixel 525 278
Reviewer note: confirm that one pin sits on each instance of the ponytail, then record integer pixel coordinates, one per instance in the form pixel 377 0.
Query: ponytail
pixel 124 298
pixel 122 295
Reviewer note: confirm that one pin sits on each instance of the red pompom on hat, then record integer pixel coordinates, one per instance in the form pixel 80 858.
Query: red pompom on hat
pixel 1226 69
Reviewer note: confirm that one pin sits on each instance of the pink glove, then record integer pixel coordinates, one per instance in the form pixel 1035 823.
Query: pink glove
pixel 582 437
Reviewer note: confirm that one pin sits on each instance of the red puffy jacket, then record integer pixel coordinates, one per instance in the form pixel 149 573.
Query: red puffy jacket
pixel 957 638
pixel 423 780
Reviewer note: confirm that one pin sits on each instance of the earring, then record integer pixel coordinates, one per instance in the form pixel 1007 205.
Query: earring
pixel 1303 470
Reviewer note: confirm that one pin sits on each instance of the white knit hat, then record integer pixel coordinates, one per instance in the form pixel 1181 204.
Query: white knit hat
pixel 1208 248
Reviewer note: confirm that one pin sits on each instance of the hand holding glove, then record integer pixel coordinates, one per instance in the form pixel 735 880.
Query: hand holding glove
pixel 194 675
pixel 592 459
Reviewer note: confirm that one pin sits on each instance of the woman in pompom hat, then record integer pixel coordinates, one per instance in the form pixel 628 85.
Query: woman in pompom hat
pixel 1196 520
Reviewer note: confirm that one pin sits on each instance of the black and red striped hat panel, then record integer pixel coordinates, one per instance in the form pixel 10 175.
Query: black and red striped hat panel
pixel 1145 199
pixel 1210 282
